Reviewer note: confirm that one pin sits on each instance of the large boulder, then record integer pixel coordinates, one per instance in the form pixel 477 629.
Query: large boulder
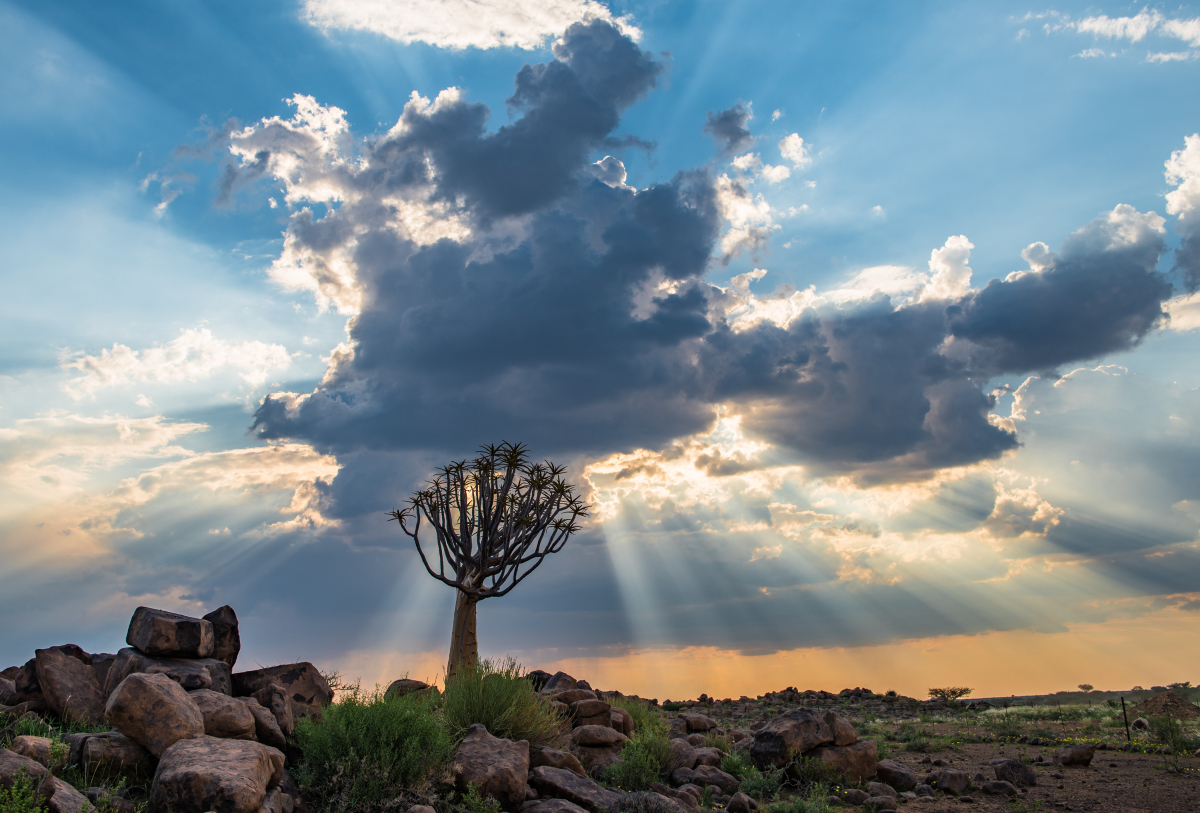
pixel 16 767
pixel 27 685
pixel 275 699
pixel 683 755
pixel 591 712
pixel 306 689
pixel 857 762
pixel 227 641
pixel 499 767
pixel 597 736
pixel 191 674
pixel 154 711
pixel 224 716
pixel 710 756
pixel 896 775
pixel 40 750
pixel 793 732
pixel 843 732
pixel 404 686
pixel 101 663
pixel 210 774
pixel 112 754
pixel 166 634
pixel 8 693
pixel 558 783
pixel 1015 772
pixel 949 780
pixel 558 682
pixel 1075 755
pixel 698 723
pixel 708 775
pixel 553 758
pixel 569 696
pixel 621 720
pixel 65 799
pixel 266 727
pixel 69 686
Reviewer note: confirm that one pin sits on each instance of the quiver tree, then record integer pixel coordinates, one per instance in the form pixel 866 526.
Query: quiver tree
pixel 493 520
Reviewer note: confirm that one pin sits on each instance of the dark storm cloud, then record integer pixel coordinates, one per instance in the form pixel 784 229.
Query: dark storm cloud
pixel 731 129
pixel 1187 262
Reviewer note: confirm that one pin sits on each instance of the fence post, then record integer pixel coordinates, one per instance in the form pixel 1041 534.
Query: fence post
pixel 1126 718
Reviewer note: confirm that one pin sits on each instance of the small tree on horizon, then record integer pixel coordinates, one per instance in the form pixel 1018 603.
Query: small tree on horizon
pixel 950 692
pixel 1086 687
pixel 494 520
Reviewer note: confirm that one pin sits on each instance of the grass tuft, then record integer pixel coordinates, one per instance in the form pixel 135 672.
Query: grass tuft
pixel 497 695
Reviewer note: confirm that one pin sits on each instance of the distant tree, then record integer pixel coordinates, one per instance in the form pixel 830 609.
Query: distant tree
pixel 493 519
pixel 1086 687
pixel 1183 684
pixel 1137 689
pixel 950 692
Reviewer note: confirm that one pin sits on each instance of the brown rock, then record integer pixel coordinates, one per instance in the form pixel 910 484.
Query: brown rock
pixel 403 686
pixel 227 641
pixel 857 762
pixel 696 740
pixel 102 798
pixel 854 796
pixel 683 755
pixel 881 789
pixel 880 803
pixel 999 787
pixel 739 803
pixel 421 809
pixel 553 758
pixel 558 682
pixel 793 732
pixel 10 672
pixel 196 673
pixel 683 776
pixel 584 709
pixel 686 799
pixel 266 727
pixel 558 783
pixel 1016 772
pixel 547 806
pixel 273 801
pixel 595 736
pixel 39 750
pixel 224 716
pixel 8 692
pixel 274 699
pixel 896 775
pixel 154 711
pixel 26 683
pixel 569 696
pixel 596 760
pixel 101 663
pixel 708 775
pixel 210 774
pixel 15 767
pixel 1075 755
pixel 498 766
pixel 698 723
pixel 306 689
pixel 949 781
pixel 843 732
pixel 709 756
pixel 66 799
pixel 113 754
pixel 69 686
pixel 166 634
pixel 621 720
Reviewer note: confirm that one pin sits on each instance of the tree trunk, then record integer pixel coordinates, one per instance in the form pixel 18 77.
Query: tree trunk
pixel 464 645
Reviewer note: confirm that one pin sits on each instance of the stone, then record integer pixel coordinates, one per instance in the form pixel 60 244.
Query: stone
pixel 273 801
pixel 709 756
pixel 8 692
pixel 101 663
pixel 14 767
pixel 421 809
pixel 595 736
pixel 677 728
pixel 683 755
pixel 739 803
pixel 569 696
pixel 857 762
pixel 698 723
pixel 1075 755
pixel 39 750
pixel 538 678
pixel 154 711
pixel 621 720
pixel 1016 772
pixel 923 790
pixel 1140 724
pixel 558 682
pixel 65 799
pixel 854 796
pixel 26 683
pixel 843 732
pixel 306 689
pixel 113 754
pixel 881 789
pixel 708 775
pixel 274 699
pixel 793 732
pixel 196 673
pixel 696 740
pixel 896 775
pixel 102 798
pixel 553 758
pixel 596 759
pixel 683 776
pixel 211 774
pixel 689 801
pixel 547 806
pixel 949 780
pixel 166 634
pixel 224 716
pixel 69 686
pixel 999 788
pixel 498 766
pixel 266 727
pixel 583 709
pixel 558 783
pixel 403 686
pixel 227 641
pixel 880 803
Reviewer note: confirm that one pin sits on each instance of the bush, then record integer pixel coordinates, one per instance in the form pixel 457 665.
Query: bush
pixel 814 800
pixel 645 716
pixel 714 740
pixel 950 692
pixel 641 803
pixel 473 801
pixel 762 787
pixel 22 797
pixel 496 694
pixel 369 753
pixel 644 759
pixel 737 765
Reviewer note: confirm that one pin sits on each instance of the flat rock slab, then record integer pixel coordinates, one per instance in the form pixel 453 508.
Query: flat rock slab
pixel 162 633
pixel 210 774
pixel 227 641
pixel 793 732
pixel 306 689
pixel 224 716
pixel 557 783
pixel 499 767
pixel 69 686
pixel 191 674
pixel 154 711
pixel 553 758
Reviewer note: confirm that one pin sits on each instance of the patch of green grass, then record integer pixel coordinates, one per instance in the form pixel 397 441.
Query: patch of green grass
pixel 473 801
pixel 720 741
pixel 815 799
pixel 763 787
pixel 673 706
pixel 645 716
pixel 497 695
pixel 737 765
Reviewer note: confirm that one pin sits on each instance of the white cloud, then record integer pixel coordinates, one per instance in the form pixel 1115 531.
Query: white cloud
pixel 950 274
pixel 750 217
pixel 776 115
pixel 1133 29
pixel 1183 172
pixel 1146 23
pixel 1184 312
pixel 1170 56
pixel 458 24
pixel 194 355
pixel 793 149
pixel 1090 53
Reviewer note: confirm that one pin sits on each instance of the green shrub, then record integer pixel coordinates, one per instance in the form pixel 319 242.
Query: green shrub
pixel 21 797
pixel 883 749
pixel 669 706
pixel 473 801
pixel 368 753
pixel 644 715
pixel 814 800
pixel 737 765
pixel 714 740
pixel 496 694
pixel 641 803
pixel 763 787
pixel 645 758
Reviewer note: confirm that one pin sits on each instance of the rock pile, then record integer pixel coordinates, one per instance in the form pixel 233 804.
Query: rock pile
pixel 213 739
pixel 1166 704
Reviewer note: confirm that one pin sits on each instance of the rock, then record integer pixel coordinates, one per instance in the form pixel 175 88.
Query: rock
pixel 498 766
pixel 698 723
pixel 689 801
pixel 224 716
pixel 621 720
pixel 14 767
pixel 8 692
pixel 154 711
pixel 880 789
pixel 923 790
pixel 549 806
pixel 1075 755
pixel 739 803
pixel 166 634
pixel 582 711
pixel 1016 772
pixel 896 775
pixel 696 740
pixel 558 682
pixel 682 776
pixel 854 796
pixel 197 673
pixel 65 799
pixel 999 788
pixel 538 678
pixel 227 641
pixel 101 663
pixel 559 783
pixel 857 762
pixel 113 754
pixel 39 750
pixel 694 791
pixel 210 774
pixel 274 699
pixel 598 758
pixel 948 780
pixel 708 775
pixel 273 801
pixel 69 686
pixel 306 689
pixel 843 732
pixel 553 758
pixel 793 732
pixel 677 728
pixel 266 727
pixel 1140 724
pixel 26 683
pixel 403 686
pixel 709 756
pixel 569 696
pixel 683 755
pixel 103 799
pixel 595 736
pixel 880 803
pixel 421 809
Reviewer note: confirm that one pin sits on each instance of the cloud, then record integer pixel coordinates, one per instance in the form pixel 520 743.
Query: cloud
pixel 459 24
pixel 950 274
pixel 730 128
pixel 1183 172
pixel 196 354
pixel 1146 23
pixel 792 148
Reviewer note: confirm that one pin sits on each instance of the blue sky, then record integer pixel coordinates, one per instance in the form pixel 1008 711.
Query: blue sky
pixel 869 330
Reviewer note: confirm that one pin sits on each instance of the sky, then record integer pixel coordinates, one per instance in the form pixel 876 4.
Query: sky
pixel 870 332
